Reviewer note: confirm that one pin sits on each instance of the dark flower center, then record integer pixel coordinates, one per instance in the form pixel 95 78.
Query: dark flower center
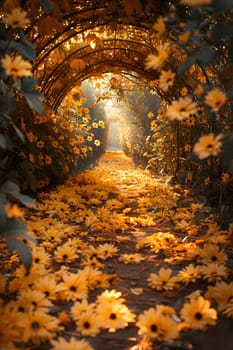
pixel 198 315
pixel 35 325
pixel 153 328
pixel 86 325
pixel 73 288
pixel 113 316
pixel 214 258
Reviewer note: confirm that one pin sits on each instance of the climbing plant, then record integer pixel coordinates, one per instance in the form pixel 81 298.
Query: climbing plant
pixel 16 84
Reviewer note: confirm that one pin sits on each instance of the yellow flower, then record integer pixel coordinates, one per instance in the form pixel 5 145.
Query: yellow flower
pixel 80 139
pixel 187 148
pixel 189 274
pixel 31 158
pixel 208 145
pixel 106 250
pixel 33 300
pixel 162 280
pixel 214 272
pixel 97 143
pixel 40 144
pixel 48 286
pixel 199 90
pixel 80 307
pixel 101 124
pixel 110 295
pixel 215 99
pixel 71 344
pixel 159 26
pixel 166 79
pixel 181 109
pixel 88 324
pixel 190 121
pixel 48 159
pixel 154 325
pixel 113 315
pixel 150 115
pixel 13 211
pixel 132 258
pixel 65 253
pixel 222 293
pixel 74 287
pixel 157 61
pixel 31 137
pixel 211 253
pixel 225 177
pixel 37 326
pixel 16 66
pixel 185 36
pixel 198 314
pixel 16 19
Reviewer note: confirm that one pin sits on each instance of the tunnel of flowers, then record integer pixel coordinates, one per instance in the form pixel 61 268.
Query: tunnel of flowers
pixel 116 175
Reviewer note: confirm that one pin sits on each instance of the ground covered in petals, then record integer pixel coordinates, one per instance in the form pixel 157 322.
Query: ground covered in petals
pixel 124 260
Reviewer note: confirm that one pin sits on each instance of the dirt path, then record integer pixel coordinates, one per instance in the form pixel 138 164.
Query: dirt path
pixel 126 225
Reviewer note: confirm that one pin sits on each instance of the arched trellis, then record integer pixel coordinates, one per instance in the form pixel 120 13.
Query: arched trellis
pixel 126 40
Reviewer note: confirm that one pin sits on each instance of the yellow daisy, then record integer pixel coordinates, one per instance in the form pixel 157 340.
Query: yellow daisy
pixel 198 314
pixel 74 287
pixel 182 108
pixel 214 272
pixel 166 79
pixel 16 19
pixel 71 344
pixel 113 315
pixel 163 280
pixel 154 325
pixel 157 61
pixel 88 324
pixel 80 307
pixel 208 145
pixel 159 26
pixel 211 253
pixel 189 274
pixel 132 258
pixel 215 99
pixel 16 66
pixel 38 326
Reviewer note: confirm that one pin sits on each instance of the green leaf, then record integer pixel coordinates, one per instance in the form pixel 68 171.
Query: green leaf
pixel 28 201
pixel 18 132
pixel 3 216
pixel 205 56
pixel 5 142
pixel 34 102
pixel 27 84
pixel 9 187
pixel 222 32
pixel 222 5
pixel 13 190
pixel 186 65
pixel 22 249
pixel 46 5
pixel 13 228
pixel 25 48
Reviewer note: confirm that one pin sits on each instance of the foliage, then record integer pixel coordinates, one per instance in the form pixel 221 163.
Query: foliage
pixel 16 82
pixel 197 45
